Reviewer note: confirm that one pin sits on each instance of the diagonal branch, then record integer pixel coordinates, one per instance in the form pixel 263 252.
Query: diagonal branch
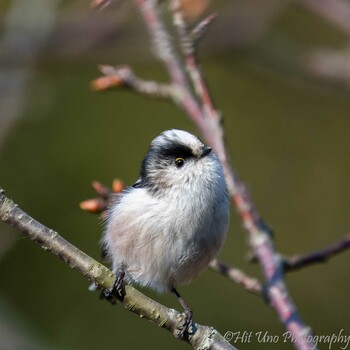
pixel 135 301
pixel 209 123
pixel 251 284
pixel 123 76
pixel 299 261
pixel 198 32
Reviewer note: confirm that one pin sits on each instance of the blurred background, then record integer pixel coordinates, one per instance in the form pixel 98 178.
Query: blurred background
pixel 279 71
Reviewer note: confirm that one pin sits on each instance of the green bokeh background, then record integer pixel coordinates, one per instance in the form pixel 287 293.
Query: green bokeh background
pixel 288 134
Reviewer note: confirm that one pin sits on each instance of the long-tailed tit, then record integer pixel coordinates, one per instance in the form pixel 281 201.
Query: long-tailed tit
pixel 166 228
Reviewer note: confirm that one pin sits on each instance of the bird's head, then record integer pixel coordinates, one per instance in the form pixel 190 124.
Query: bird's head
pixel 178 158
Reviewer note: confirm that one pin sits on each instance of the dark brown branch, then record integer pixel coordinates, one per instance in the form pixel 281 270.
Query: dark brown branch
pixel 300 261
pixel 51 241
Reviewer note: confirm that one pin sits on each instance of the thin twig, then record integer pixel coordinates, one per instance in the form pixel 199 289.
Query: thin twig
pixel 123 76
pixel 201 28
pixel 300 261
pixel 251 284
pixel 51 241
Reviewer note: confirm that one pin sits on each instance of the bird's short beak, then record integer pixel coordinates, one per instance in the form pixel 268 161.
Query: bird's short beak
pixel 205 151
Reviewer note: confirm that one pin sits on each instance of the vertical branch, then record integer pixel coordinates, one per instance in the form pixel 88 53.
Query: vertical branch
pixel 164 48
pixel 208 120
pixel 188 44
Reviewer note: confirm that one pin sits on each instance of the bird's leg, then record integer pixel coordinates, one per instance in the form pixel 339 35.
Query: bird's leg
pixel 117 289
pixel 186 325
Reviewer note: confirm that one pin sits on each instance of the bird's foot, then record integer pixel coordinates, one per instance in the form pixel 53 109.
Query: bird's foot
pixel 117 290
pixel 185 326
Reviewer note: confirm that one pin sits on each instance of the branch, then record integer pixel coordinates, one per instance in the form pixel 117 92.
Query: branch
pixel 290 264
pixel 188 43
pixel 123 76
pixel 208 120
pixel 202 27
pixel 164 49
pixel 251 284
pixel 299 261
pixel 134 301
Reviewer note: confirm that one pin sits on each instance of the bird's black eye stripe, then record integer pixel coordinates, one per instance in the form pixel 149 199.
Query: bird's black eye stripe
pixel 159 156
pixel 175 150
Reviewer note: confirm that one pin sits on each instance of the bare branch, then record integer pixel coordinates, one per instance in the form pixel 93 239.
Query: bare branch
pixel 164 49
pixel 123 76
pixel 192 65
pixel 51 241
pixel 202 27
pixel 208 120
pixel 300 261
pixel 251 284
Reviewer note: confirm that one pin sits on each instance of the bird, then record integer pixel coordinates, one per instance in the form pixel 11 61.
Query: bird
pixel 164 230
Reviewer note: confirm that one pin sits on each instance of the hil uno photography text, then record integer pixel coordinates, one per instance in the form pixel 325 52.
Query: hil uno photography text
pixel 336 340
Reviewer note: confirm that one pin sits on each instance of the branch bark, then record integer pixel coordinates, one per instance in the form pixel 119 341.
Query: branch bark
pixel 251 284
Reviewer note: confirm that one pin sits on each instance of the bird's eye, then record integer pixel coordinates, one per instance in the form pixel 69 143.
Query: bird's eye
pixel 179 162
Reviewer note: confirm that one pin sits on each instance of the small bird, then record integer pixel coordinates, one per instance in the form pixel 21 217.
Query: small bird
pixel 166 228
